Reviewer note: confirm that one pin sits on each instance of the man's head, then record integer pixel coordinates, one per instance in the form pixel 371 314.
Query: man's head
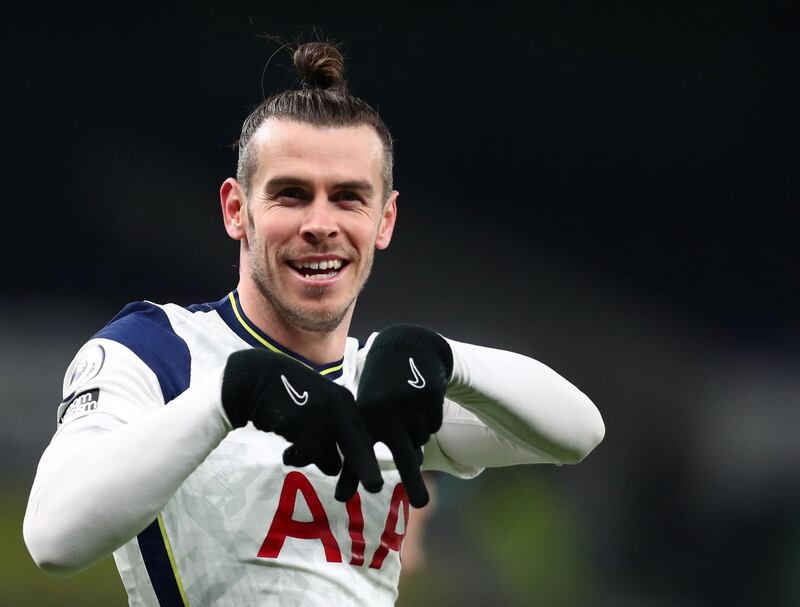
pixel 313 198
pixel 323 101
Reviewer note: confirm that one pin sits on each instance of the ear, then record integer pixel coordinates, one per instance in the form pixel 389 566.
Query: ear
pixel 388 218
pixel 234 208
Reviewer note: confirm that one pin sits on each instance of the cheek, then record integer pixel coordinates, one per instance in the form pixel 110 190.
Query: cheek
pixel 271 234
pixel 365 232
pixel 364 241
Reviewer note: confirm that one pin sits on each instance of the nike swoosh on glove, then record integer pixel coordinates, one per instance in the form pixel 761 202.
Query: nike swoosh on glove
pixel 400 397
pixel 279 394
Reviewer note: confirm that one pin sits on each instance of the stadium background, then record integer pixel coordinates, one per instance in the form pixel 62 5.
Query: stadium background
pixel 608 187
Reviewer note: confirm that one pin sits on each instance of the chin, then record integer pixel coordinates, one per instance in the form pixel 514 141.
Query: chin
pixel 317 318
pixel 318 323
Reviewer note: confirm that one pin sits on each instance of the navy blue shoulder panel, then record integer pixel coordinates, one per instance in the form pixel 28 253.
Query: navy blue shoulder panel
pixel 145 329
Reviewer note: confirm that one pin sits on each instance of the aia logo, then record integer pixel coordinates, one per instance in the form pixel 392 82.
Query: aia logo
pixel 319 529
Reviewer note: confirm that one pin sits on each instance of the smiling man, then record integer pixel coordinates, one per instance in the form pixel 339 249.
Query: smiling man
pixel 319 208
pixel 247 451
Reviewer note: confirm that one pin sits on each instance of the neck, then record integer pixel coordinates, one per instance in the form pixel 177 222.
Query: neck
pixel 319 348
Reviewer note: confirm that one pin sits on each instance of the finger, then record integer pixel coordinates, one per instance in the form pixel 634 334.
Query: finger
pixel 407 460
pixel 347 485
pixel 356 446
pixel 295 456
pixel 328 459
pixel 418 434
pixel 432 420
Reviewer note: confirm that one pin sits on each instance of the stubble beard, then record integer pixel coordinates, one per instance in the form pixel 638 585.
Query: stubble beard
pixel 312 321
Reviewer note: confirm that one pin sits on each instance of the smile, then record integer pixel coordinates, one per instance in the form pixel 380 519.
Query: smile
pixel 318 270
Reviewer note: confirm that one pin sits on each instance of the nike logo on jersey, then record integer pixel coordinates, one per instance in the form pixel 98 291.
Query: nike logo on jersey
pixel 299 399
pixel 418 381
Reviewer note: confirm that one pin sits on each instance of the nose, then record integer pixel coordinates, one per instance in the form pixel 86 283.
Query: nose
pixel 319 222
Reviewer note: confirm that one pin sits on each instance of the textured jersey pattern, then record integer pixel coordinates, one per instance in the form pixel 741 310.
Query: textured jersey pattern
pixel 221 539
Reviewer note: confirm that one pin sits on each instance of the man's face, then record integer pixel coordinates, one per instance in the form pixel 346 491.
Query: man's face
pixel 315 216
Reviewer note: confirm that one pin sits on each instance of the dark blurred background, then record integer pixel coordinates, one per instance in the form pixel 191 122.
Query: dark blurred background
pixel 610 187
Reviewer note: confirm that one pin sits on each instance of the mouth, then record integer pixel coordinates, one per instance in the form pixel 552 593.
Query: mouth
pixel 318 270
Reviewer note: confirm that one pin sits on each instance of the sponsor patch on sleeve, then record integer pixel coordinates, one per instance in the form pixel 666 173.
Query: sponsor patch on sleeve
pixel 87 365
pixel 81 404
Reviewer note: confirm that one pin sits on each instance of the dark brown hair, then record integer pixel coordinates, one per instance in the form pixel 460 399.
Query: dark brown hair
pixel 321 100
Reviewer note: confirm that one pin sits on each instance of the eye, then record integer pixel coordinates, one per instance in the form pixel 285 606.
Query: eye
pixel 347 197
pixel 291 195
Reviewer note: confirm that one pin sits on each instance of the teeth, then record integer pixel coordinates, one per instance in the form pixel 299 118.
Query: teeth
pixel 332 264
pixel 320 276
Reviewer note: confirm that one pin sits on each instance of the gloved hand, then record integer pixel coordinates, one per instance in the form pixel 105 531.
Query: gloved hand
pixel 279 394
pixel 400 397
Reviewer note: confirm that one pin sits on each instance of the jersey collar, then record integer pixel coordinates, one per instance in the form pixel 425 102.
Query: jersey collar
pixel 230 310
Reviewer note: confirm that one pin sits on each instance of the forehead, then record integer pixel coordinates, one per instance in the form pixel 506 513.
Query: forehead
pixel 304 150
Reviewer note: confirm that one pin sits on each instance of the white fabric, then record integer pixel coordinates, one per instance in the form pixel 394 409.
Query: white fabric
pixel 514 410
pixel 112 469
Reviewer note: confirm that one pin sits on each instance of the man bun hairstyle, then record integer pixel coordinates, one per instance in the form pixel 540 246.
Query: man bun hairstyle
pixel 322 100
pixel 320 65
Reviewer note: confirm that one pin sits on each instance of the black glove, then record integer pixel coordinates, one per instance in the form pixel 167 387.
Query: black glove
pixel 400 397
pixel 279 394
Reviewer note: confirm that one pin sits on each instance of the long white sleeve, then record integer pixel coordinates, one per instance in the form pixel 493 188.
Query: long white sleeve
pixel 109 471
pixel 504 408
pixel 102 481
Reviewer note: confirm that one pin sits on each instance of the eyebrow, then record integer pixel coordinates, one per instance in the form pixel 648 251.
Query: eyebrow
pixel 352 184
pixel 355 184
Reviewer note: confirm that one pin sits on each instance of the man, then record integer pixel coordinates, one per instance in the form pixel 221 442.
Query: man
pixel 218 450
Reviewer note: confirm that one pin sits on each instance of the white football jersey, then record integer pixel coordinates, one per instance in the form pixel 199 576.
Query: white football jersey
pixel 243 529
